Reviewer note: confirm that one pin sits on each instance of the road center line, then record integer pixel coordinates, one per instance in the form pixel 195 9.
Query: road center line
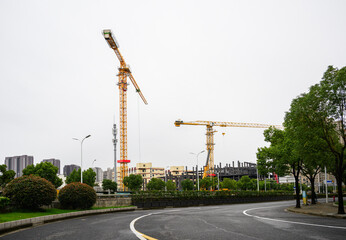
pixel 285 221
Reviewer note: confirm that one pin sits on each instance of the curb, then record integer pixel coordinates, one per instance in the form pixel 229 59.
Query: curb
pixel 29 222
pixel 334 215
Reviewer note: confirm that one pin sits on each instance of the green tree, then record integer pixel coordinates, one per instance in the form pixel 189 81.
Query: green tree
pixel 308 143
pixel 44 170
pixel 89 177
pixel 170 185
pixel 133 182
pixel 73 177
pixel 284 157
pixel 245 183
pixel 228 183
pixel 108 184
pixel 326 111
pixel 6 176
pixel 156 184
pixel 206 183
pixel 187 184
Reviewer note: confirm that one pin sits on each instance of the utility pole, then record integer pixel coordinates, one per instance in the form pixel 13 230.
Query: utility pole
pixel 115 151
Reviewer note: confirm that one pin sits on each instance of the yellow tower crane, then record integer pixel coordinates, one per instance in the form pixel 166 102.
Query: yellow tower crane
pixel 209 167
pixel 124 72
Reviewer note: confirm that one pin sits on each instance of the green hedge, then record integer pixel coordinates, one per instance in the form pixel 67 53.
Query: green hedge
pixel 145 196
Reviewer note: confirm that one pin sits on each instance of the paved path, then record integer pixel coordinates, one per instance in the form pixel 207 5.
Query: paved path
pixel 238 221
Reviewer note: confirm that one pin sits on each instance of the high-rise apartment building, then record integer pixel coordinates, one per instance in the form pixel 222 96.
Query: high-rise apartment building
pixel 18 163
pixel 109 174
pixel 99 174
pixel 55 162
pixel 68 169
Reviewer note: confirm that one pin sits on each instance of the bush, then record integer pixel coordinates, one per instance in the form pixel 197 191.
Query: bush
pixel 77 195
pixel 30 192
pixel 4 203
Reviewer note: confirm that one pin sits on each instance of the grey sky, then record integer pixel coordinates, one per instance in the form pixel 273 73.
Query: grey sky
pixel 240 61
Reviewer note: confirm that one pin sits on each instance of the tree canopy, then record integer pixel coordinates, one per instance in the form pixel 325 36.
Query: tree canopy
pixel 89 177
pixel 156 184
pixel 187 184
pixel 133 182
pixel 108 184
pixel 171 186
pixel 6 175
pixel 44 170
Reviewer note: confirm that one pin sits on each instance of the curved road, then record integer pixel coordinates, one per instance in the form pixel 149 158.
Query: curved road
pixel 238 221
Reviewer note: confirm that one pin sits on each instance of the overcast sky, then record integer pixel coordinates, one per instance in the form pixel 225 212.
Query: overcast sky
pixel 239 61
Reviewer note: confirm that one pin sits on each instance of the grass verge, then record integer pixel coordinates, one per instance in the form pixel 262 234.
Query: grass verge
pixel 23 214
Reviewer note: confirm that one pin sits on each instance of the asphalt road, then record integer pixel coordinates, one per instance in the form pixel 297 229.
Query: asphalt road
pixel 239 221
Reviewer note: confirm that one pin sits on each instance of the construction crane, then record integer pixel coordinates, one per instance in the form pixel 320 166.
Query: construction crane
pixel 124 72
pixel 209 166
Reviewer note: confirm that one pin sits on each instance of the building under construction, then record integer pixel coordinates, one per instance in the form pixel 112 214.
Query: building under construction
pixel 229 171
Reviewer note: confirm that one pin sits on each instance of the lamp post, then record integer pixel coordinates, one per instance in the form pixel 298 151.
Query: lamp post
pixel 81 156
pixel 166 178
pixel 197 167
pixel 92 165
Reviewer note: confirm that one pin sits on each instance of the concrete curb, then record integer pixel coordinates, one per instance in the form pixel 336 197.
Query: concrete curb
pixel 334 215
pixel 29 222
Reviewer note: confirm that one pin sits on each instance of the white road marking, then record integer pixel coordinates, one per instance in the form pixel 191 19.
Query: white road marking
pixel 285 221
pixel 132 224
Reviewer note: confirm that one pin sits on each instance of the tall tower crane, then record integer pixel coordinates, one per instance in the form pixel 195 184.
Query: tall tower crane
pixel 209 166
pixel 124 72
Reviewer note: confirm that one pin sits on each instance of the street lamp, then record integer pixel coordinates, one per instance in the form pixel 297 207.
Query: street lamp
pixel 92 165
pixel 197 166
pixel 166 178
pixel 81 156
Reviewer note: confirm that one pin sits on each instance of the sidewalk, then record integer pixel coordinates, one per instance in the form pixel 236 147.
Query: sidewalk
pixel 319 209
pixel 29 222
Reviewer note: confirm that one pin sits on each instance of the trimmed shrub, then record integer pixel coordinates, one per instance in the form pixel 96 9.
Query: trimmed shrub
pixel 77 195
pixel 30 192
pixel 4 203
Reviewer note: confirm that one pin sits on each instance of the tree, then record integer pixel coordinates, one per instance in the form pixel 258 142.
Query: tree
pixel 133 182
pixel 264 164
pixel 73 177
pixel 284 157
pixel 187 184
pixel 245 183
pixel 44 170
pixel 228 183
pixel 307 142
pixel 171 186
pixel 108 184
pixel 156 184
pixel 6 175
pixel 89 177
pixel 206 183
pixel 324 110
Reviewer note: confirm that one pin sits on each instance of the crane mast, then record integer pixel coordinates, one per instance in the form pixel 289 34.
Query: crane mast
pixel 124 72
pixel 209 167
